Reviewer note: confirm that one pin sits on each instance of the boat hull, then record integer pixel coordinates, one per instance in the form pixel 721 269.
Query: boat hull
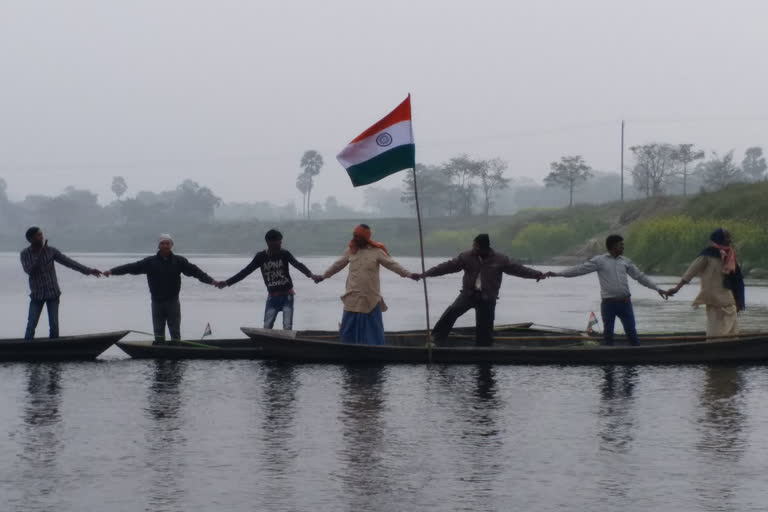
pixel 65 348
pixel 746 348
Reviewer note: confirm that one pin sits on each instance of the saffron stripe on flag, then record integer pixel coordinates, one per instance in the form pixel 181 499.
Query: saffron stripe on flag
pixel 401 113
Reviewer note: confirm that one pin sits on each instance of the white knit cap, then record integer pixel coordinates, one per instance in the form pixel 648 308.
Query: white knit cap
pixel 165 236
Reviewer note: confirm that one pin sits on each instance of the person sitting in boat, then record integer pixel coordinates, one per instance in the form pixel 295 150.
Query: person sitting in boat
pixel 722 284
pixel 483 269
pixel 37 260
pixel 361 321
pixel 274 265
pixel 163 272
pixel 612 270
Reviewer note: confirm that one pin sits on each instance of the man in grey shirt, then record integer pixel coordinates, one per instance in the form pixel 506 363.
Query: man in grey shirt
pixel 612 270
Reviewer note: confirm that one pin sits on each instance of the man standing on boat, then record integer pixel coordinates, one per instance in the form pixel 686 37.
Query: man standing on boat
pixel 274 264
pixel 483 271
pixel 722 284
pixel 163 272
pixel 362 322
pixel 37 260
pixel 612 270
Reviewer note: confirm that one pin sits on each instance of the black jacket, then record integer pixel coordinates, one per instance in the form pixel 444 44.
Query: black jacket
pixel 274 270
pixel 491 270
pixel 163 274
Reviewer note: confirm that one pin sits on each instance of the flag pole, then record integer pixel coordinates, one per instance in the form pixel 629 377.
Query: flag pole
pixel 423 268
pixel 421 249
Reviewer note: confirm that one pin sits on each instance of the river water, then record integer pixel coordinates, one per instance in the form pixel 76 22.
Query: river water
pixel 118 434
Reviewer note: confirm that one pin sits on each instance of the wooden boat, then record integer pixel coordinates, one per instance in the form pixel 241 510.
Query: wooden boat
pixel 236 348
pixel 64 348
pixel 658 349
pixel 250 347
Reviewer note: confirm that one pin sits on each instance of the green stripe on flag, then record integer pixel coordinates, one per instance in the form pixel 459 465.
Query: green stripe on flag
pixel 382 165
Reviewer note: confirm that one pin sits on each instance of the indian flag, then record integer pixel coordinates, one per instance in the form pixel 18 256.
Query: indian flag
pixel 381 150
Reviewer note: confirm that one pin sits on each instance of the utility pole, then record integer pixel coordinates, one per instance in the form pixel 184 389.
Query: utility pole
pixel 622 160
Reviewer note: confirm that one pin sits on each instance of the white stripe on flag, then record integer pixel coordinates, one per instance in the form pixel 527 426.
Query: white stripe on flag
pixel 400 134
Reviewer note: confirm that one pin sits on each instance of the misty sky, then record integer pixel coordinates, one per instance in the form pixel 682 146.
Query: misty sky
pixel 230 93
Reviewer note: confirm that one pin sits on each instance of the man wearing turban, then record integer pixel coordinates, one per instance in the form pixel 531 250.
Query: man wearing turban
pixel 362 320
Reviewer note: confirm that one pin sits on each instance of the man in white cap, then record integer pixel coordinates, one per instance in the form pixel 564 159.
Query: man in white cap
pixel 163 272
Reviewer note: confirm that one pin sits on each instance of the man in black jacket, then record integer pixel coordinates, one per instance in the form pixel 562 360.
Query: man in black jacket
pixel 483 270
pixel 277 277
pixel 163 272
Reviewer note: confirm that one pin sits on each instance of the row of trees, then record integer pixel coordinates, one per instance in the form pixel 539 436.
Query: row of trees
pixel 658 167
pixel 454 188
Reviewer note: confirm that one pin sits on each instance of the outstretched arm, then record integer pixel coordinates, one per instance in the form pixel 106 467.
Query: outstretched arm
pixel 255 263
pixel 515 269
pixel 192 270
pixel 135 268
pixel 336 267
pixel 447 267
pixel 695 269
pixel 390 264
pixel 587 267
pixel 74 265
pixel 298 265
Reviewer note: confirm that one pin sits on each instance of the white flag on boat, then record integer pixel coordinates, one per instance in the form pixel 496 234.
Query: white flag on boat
pixel 592 321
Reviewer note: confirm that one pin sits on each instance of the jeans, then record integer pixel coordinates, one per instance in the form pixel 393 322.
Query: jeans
pixel 166 311
pixel 275 305
pixel 35 310
pixel 622 309
pixel 484 315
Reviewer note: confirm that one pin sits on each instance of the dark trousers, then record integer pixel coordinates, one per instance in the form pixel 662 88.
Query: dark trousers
pixel 35 310
pixel 484 314
pixel 166 311
pixel 622 309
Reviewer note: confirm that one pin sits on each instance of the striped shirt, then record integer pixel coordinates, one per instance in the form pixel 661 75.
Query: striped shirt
pixel 43 284
pixel 612 274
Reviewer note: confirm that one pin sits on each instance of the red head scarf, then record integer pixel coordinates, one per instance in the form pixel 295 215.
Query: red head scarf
pixel 365 233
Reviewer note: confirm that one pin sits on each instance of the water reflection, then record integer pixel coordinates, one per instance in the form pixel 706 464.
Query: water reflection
pixel 279 449
pixel 42 422
pixel 616 404
pixel 475 401
pixel 366 478
pixel 165 437
pixel 723 440
pixel 617 426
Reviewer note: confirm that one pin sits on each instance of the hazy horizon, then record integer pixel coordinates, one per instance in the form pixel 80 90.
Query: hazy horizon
pixel 231 94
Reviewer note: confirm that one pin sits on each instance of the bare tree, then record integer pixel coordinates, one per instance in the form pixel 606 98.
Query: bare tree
pixel 568 173
pixel 720 172
pixel 462 171
pixel 653 168
pixel 683 155
pixel 311 162
pixel 119 186
pixel 491 175
pixel 754 164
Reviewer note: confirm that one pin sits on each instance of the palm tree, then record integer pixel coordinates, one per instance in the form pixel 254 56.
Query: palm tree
pixel 303 185
pixel 311 162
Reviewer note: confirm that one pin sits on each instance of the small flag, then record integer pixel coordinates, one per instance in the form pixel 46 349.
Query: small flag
pixel 381 150
pixel 207 331
pixel 592 321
